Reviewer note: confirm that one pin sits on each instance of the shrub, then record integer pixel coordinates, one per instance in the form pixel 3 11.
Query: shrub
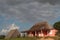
pixel 2 36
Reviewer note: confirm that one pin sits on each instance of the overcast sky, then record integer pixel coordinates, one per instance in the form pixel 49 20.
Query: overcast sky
pixel 25 13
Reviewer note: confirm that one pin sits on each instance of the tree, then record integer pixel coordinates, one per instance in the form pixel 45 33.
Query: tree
pixel 57 26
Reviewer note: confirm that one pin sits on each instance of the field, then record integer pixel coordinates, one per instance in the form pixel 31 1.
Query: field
pixel 21 38
pixel 33 38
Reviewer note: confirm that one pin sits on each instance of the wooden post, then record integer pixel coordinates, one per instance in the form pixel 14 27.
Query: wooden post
pixel 35 33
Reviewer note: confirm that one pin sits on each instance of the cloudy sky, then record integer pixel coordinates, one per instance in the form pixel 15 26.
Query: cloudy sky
pixel 25 13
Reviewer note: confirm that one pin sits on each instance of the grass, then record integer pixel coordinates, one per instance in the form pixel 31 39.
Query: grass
pixel 22 38
pixel 30 38
pixel 26 38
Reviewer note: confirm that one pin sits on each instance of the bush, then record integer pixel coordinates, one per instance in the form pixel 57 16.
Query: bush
pixel 2 36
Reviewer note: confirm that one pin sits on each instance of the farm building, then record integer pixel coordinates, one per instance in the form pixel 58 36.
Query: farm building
pixel 13 34
pixel 41 29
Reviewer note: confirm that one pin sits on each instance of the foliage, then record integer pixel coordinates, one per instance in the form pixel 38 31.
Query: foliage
pixel 57 25
pixel 2 36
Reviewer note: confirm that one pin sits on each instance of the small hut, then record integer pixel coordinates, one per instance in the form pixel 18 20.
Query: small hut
pixel 13 34
pixel 40 29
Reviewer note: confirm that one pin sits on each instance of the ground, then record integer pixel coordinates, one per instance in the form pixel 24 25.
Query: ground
pixel 34 38
pixel 46 39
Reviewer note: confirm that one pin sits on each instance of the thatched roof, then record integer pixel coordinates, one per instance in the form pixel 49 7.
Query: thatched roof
pixel 39 26
pixel 12 34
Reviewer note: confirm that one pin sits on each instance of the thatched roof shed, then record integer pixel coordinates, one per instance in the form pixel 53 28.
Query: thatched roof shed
pixel 13 34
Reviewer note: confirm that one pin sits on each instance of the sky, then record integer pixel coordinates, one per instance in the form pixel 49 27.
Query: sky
pixel 25 13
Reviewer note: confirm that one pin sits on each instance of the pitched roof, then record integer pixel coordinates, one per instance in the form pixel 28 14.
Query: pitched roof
pixel 40 25
pixel 13 34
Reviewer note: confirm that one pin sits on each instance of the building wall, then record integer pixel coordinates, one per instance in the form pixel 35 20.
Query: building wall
pixel 52 32
pixel 39 34
pixel 30 34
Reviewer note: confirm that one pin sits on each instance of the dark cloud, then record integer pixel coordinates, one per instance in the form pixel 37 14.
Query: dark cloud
pixel 15 2
pixel 29 10
pixel 53 2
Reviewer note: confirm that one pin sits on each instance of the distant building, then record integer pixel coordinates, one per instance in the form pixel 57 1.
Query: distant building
pixel 41 29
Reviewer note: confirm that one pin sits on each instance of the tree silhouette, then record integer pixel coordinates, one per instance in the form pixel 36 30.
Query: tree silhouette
pixel 57 26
